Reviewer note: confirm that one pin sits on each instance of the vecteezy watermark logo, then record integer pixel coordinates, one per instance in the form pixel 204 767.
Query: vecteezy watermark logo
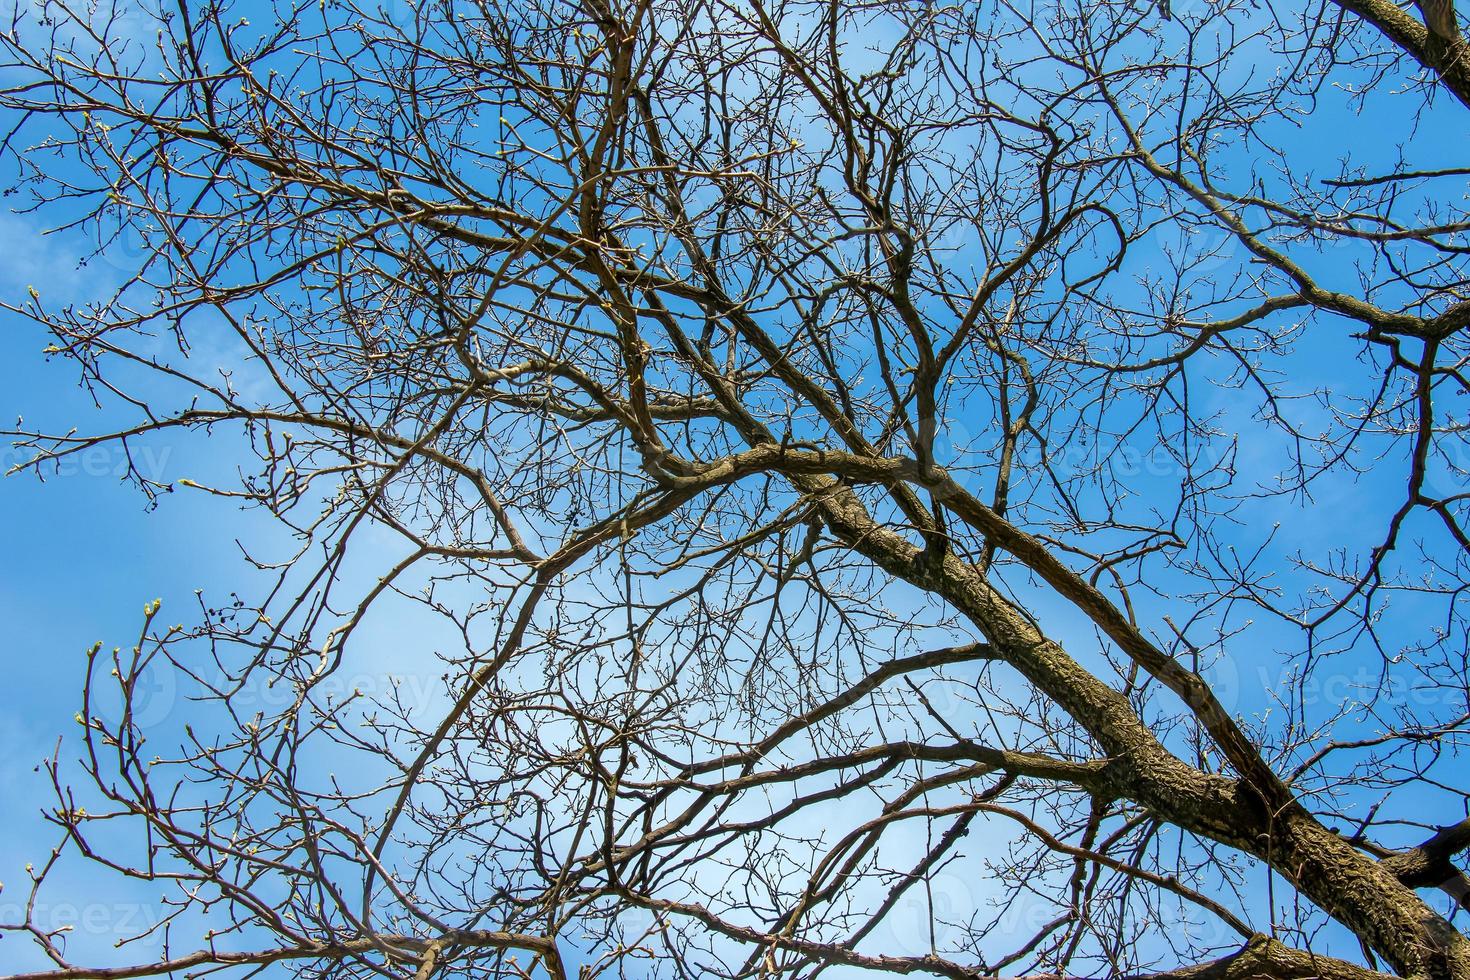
pixel 1222 677
pixel 121 27
pixel 113 920
pixel 111 460
pixel 1197 250
pixel 1447 468
pixel 971 460
pixel 160 688
pixel 146 696
pixel 933 914
pixel 129 247
pixel 155 690
pixel 1257 687
pixel 1366 686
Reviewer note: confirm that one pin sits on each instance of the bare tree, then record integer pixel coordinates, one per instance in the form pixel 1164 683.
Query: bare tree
pixel 848 445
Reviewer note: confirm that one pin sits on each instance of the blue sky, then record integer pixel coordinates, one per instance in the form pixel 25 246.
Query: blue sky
pixel 86 553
